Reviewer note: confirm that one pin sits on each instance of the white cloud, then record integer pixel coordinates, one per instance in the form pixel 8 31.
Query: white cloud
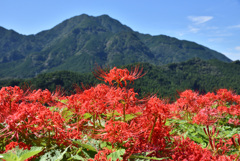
pixel 200 19
pixel 237 48
pixel 181 34
pixel 212 28
pixel 193 29
pixel 235 26
pixel 232 55
pixel 215 40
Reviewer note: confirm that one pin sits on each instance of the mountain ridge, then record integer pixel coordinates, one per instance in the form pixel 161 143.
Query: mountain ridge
pixel 80 42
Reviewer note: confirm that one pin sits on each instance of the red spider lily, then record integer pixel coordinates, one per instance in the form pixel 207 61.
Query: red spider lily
pixel 91 101
pixel 186 149
pixel 127 102
pixel 116 131
pixel 237 99
pixel 13 144
pixel 119 75
pixel 148 135
pixel 224 146
pixel 206 109
pixel 188 101
pixel 224 95
pixel 234 110
pixel 34 119
pixel 103 99
pixel 102 155
pixel 74 133
pixel 157 107
pixel 206 100
pixel 10 97
pixel 44 97
pixel 206 116
pixel 116 115
pixel 134 135
pixel 223 110
pixel 235 121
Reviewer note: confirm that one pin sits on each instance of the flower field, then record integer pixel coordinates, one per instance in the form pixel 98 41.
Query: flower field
pixel 110 122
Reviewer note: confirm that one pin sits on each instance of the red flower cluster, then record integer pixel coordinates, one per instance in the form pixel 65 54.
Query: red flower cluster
pixel 209 108
pixel 26 114
pixel 13 144
pixel 118 75
pixel 115 115
pixel 102 155
pixel 10 98
pixel 187 150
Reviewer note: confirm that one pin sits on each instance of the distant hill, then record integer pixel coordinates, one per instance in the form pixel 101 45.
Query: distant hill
pixel 166 80
pixel 78 43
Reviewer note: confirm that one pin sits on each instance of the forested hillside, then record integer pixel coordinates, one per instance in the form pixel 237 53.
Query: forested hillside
pixel 196 74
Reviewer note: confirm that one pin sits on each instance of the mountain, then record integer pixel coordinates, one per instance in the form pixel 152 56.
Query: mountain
pixel 78 43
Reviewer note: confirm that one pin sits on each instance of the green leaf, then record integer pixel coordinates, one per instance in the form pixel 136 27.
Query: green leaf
pixel 149 158
pixel 87 149
pixel 67 114
pixel 52 108
pixel 77 157
pixel 86 146
pixel 17 154
pixel 64 101
pixel 131 116
pixel 9 156
pixel 196 139
pixel 87 115
pixel 54 155
pixel 116 155
pixel 118 118
pixel 29 153
pixel 110 114
pixel 106 145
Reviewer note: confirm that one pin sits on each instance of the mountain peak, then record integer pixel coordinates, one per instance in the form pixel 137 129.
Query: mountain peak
pixel 80 42
pixel 85 22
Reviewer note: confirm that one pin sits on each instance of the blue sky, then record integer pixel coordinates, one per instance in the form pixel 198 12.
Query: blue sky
pixel 212 23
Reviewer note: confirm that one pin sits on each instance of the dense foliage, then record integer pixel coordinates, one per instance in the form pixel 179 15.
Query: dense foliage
pixel 109 122
pixel 195 74
pixel 78 43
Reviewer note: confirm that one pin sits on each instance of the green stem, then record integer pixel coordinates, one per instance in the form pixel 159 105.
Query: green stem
pixel 124 113
pixel 49 139
pixel 237 157
pixel 78 124
pixel 113 110
pixel 150 136
pixel 10 106
pixel 113 114
pixel 94 121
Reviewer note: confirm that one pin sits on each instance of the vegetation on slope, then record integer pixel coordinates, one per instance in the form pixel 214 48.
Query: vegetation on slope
pixel 195 74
